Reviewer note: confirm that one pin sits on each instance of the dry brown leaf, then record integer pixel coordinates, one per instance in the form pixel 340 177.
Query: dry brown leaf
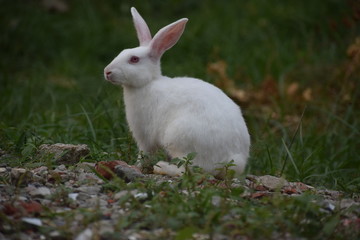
pixel 31 207
pixel 60 6
pixel 21 208
pixel 292 89
pixel 63 82
pixel 239 95
pixel 259 194
pixel 353 53
pixel 307 94
pixel 107 168
pixel 302 186
pixel 354 222
pixel 268 90
pixel 9 209
pixel 353 50
pixel 223 81
pixel 270 86
pixel 289 190
pixel 260 188
pixel 219 70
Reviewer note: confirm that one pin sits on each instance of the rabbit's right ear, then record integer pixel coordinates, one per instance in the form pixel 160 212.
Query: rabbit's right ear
pixel 166 37
pixel 142 29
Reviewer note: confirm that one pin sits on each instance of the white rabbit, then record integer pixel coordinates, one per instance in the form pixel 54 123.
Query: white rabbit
pixel 180 115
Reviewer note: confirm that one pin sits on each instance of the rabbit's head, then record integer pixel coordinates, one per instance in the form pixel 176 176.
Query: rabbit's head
pixel 138 66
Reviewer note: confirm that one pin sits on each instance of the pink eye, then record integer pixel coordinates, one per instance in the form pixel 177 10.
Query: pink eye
pixel 134 59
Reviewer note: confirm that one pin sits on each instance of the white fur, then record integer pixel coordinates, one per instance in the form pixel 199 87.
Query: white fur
pixel 181 115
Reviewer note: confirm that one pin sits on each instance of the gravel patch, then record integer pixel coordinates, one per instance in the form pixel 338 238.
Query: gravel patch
pixel 31 197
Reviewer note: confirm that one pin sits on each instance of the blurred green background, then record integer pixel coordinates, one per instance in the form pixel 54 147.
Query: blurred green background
pixel 293 67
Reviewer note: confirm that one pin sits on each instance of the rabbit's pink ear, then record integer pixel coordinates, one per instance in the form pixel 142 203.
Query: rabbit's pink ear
pixel 142 29
pixel 166 38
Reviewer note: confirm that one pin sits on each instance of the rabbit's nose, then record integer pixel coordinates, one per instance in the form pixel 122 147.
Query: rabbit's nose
pixel 108 73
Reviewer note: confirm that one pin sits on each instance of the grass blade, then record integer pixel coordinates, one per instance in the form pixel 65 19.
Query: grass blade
pixel 92 130
pixel 298 128
pixel 290 157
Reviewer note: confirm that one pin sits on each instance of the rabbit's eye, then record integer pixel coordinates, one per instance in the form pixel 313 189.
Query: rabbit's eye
pixel 134 59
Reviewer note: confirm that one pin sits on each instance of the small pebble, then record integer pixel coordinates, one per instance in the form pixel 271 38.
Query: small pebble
pixel 40 192
pixel 32 221
pixel 92 190
pixel 73 196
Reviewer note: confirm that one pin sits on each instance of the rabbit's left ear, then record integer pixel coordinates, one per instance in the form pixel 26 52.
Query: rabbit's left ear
pixel 142 29
pixel 166 37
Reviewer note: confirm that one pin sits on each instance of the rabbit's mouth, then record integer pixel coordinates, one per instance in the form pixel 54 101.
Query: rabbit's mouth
pixel 116 77
pixel 113 81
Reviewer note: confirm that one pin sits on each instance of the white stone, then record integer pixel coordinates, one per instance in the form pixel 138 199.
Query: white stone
pixel 32 221
pixel 347 203
pixel 120 194
pixel 92 190
pixel 64 153
pixel 73 196
pixel 40 192
pixel 85 235
pixel 272 183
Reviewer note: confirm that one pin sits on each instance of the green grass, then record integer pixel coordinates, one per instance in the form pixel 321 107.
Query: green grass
pixel 196 213
pixel 52 88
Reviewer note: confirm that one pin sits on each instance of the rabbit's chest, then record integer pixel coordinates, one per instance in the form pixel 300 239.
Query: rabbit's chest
pixel 143 116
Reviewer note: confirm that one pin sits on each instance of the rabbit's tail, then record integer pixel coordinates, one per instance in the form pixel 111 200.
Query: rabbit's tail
pixel 240 162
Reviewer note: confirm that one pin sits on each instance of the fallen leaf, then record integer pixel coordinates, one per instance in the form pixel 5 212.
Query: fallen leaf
pixel 353 53
pixel 260 188
pixel 259 194
pixel 292 89
pixel 355 222
pixel 223 81
pixel 292 120
pixel 239 94
pixel 55 6
pixel 219 70
pixel 21 208
pixel 353 50
pixel 268 90
pixel 107 168
pixel 163 194
pixel 31 207
pixel 270 87
pixel 9 209
pixel 212 181
pixel 307 94
pixel 302 186
pixel 289 190
pixel 63 82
